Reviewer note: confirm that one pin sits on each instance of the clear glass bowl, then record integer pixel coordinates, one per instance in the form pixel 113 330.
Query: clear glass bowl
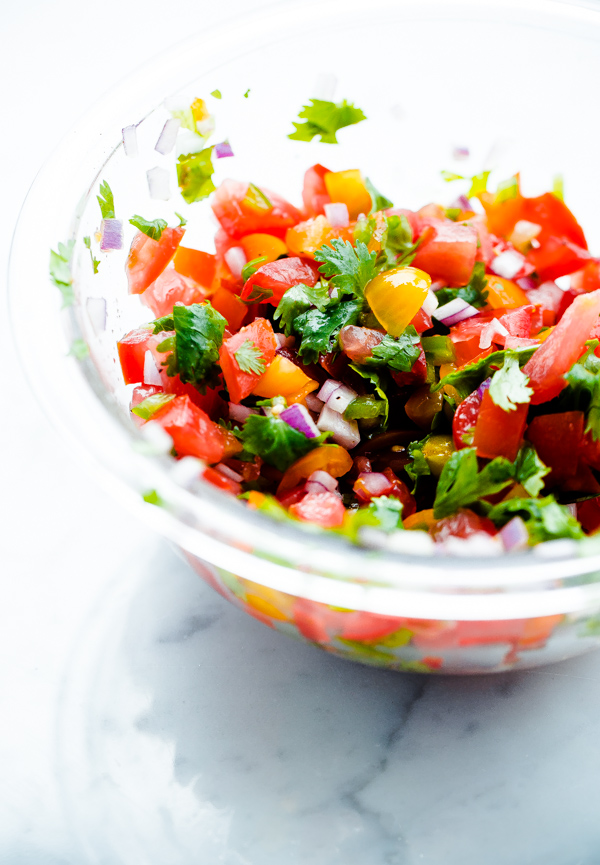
pixel 513 81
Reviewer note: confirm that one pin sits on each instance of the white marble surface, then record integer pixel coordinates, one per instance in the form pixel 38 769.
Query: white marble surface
pixel 143 720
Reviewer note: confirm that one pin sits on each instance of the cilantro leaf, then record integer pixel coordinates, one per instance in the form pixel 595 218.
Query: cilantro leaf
pixel 375 380
pixel 106 201
pixel 195 349
pixel 474 293
pixel 378 200
pixel 87 242
pixel 398 353
pixel 350 268
pixel 250 268
pixel 153 403
pixel 60 271
pixel 462 484
pixel 419 465
pixel 583 392
pixel 79 349
pixel 530 471
pixel 382 512
pixel 298 299
pixel 250 358
pixel 509 385
pixel 194 175
pixel 275 441
pixel 325 118
pixel 319 330
pixel 545 519
pixel 153 228
pixel 398 246
pixel 469 377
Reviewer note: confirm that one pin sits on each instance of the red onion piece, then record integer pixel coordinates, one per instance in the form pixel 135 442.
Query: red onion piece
pixel 483 387
pixel 514 535
pixel 229 473
pixel 96 310
pixel 341 398
pixel 454 311
pixel 328 388
pixel 240 412
pixel 526 282
pixel 461 153
pixel 337 214
pixel 112 234
pixel 507 264
pixel 314 487
pixel 313 403
pixel 158 183
pixel 345 432
pixel 151 373
pixel 297 416
pixel 235 258
pixel 375 483
pixel 130 143
pixel 325 479
pixel 166 139
pixel 491 330
pixel 223 149
pixel 461 203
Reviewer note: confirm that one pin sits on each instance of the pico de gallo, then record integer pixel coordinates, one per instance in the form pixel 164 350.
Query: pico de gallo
pixel 368 369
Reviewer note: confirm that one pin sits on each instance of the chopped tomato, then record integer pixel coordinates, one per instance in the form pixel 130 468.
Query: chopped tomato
pixel 465 418
pixel 557 257
pixel 462 525
pixel 230 307
pixel 306 237
pixel 324 509
pixel 421 321
pixel 588 278
pixel 417 374
pixel 588 514
pixel 450 253
pixel 240 384
pixel 132 352
pixel 192 431
pixel 499 433
pixel 518 321
pixel 466 335
pixel 148 258
pixel 555 218
pixel 222 481
pixel 314 192
pixel 590 451
pixel 210 402
pixel 198 265
pixel 170 288
pixel 564 346
pixel 239 214
pixel 557 438
pixel 276 277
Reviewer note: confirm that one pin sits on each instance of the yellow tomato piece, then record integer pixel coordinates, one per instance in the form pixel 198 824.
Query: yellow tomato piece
pixel 199 110
pixel 328 458
pixel 504 294
pixel 544 335
pixel 437 451
pixel 423 520
pixel 270 601
pixel 281 378
pixel 263 246
pixel 396 296
pixel 349 187
pixel 301 395
pixel 265 607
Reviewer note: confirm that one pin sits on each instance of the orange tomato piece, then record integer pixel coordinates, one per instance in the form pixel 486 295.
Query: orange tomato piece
pixel 396 296
pixel 303 393
pixel 333 459
pixel 499 433
pixel 230 307
pixel 281 378
pixel 504 294
pixel 306 237
pixel 199 266
pixel 263 246
pixel 423 520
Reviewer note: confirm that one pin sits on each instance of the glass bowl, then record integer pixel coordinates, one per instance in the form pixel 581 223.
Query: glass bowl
pixel 514 82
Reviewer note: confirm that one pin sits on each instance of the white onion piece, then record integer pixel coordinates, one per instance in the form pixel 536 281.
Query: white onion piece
pixel 151 373
pixel 507 264
pixel 240 412
pixel 96 310
pixel 235 258
pixel 454 311
pixel 431 303
pixel 130 142
pixel 494 328
pixel 345 432
pixel 337 214
pixel 313 403
pixel 341 398
pixel 158 183
pixel 229 473
pixel 514 535
pixel 563 282
pixel 523 233
pixel 315 487
pixel 328 388
pixel 325 479
pixel 168 136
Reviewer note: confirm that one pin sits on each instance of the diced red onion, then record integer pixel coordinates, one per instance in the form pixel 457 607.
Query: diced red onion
pixel 297 416
pixel 325 479
pixel 151 373
pixel 526 283
pixel 507 264
pixel 345 432
pixel 483 387
pixel 324 86
pixel 328 388
pixel 158 183
pixel 96 310
pixel 235 258
pixel 229 473
pixel 168 136
pixel 130 142
pixel 494 328
pixel 223 149
pixel 341 398
pixel 454 311
pixel 431 303
pixel 313 402
pixel 514 535
pixel 240 412
pixel 337 215
pixel 314 487
pixel 111 234
pixel 375 483
pixel 461 153
pixel 461 203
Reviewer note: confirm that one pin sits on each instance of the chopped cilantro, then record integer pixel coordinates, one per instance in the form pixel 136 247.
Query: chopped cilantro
pixel 194 175
pixel 106 201
pixel 182 219
pixel 275 441
pixel 325 119
pixel 60 271
pixel 297 300
pixel 474 293
pixel 507 189
pixel 79 349
pixel 509 384
pixel 319 330
pixel 153 403
pixel 216 93
pixel 365 407
pixel 545 519
pixel 195 348
pixel 247 93
pixel 419 465
pixel 364 229
pixel 250 268
pixel 375 380
pixel 558 187
pixel 583 392
pixel 350 268
pixel 87 242
pixel 378 200
pixel 250 358
pixel 462 484
pixel 383 513
pixel 469 377
pixel 530 471
pixel 398 247
pixel 398 353
pixel 153 228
